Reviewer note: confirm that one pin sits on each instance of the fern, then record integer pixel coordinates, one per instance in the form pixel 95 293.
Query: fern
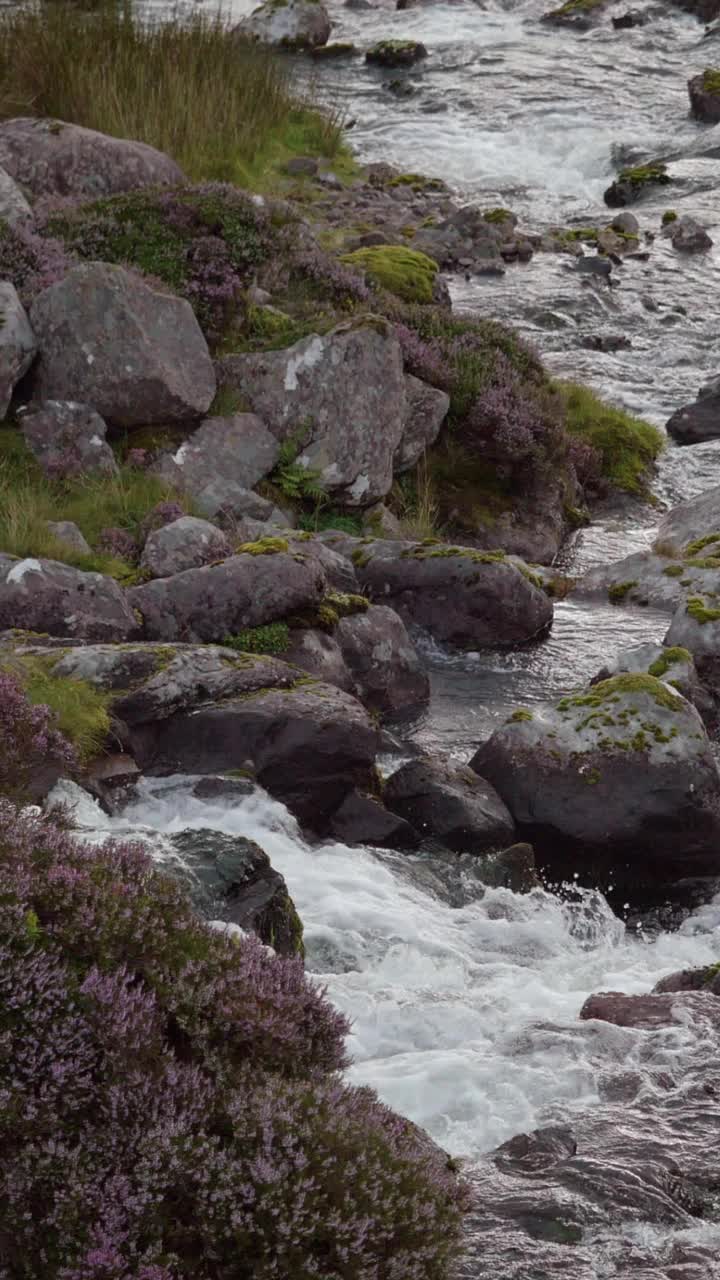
pixel 293 480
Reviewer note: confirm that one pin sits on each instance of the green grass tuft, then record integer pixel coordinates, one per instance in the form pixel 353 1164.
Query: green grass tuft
pixel 81 710
pixel 272 638
pixel 671 657
pixel 403 272
pixel 627 446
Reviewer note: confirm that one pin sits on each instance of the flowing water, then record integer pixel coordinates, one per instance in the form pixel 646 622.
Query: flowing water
pixel 464 1001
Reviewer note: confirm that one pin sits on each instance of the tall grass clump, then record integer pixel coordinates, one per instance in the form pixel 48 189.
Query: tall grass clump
pixel 171 1104
pixel 223 107
pixel 625 446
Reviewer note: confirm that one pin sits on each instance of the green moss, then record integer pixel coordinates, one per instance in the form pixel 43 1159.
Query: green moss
pixel 627 446
pixel 711 80
pixel 345 604
pixel 669 658
pixel 81 710
pixel 618 591
pixel 699 544
pixel 265 547
pixel 612 690
pixel 573 7
pixel 497 215
pixel 273 637
pixel 386 47
pixel 674 571
pixel 403 272
pixel 698 610
pixel 591 777
pixel 360 557
pixel 326 615
pixel 668 217
pixel 418 182
pixel 643 173
pixel 429 550
pixel 340 49
pixel 521 714
pixel 584 235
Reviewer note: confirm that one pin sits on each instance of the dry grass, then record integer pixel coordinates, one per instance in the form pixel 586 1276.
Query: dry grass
pixel 414 503
pixel 223 107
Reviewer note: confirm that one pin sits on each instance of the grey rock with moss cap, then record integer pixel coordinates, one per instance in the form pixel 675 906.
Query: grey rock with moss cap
pixel 704 93
pixel 341 397
pixel 50 157
pixel 295 24
pixel 135 355
pixel 691 523
pixel 52 598
pixel 619 780
pixel 451 803
pixel 260 584
pixel 696 627
pixel 463 597
pixel 648 578
pixel 388 673
pixel 309 744
pixel 427 409
pixel 673 664
pixel 17 343
pixel 396 53
pixel 220 462
pixel 68 439
pixel 187 543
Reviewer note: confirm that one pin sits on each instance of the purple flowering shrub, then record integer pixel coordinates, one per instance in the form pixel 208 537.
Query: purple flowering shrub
pixel 30 261
pixel 205 242
pixel 118 543
pixel 169 1101
pixel 29 741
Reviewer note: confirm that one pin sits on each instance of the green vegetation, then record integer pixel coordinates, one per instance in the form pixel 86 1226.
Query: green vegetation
pixel 272 638
pixel 573 7
pixel 414 503
pixel 672 657
pixel 711 80
pixel 612 690
pixel 294 481
pixel 700 612
pixel 223 107
pixel 668 217
pixel 618 591
pixel 674 571
pixel 28 500
pixel 642 174
pixel 341 520
pixel 326 615
pixel 80 709
pixel 498 215
pixel 627 446
pixel 700 544
pixel 418 182
pixel 226 402
pixel 403 272
pixel 521 714
pixel 264 547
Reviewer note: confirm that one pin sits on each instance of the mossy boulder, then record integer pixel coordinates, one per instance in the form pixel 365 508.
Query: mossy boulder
pixel 396 53
pixel 616 782
pixel 696 627
pixel 671 663
pixel 632 183
pixel 704 92
pixel 403 272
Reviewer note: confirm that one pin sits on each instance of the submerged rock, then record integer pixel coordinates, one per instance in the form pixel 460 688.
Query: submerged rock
pixel 52 598
pixel 698 421
pixel 51 157
pixel 618 781
pixel 396 53
pixel 231 878
pixel 451 803
pixel 665 1009
pixel 688 235
pixel 293 24
pixel 108 340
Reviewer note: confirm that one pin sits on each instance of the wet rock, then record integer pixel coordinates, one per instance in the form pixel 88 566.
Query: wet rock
pixel 536 1152
pixel 512 868
pixel 704 91
pixel 53 598
pixel 17 343
pixel 690 522
pixel 616 781
pixel 341 396
pixel 653 1011
pixel 451 803
pixel 321 656
pixel 633 18
pixel 111 779
pixel 68 439
pixel 247 590
pixel 466 238
pixel 427 409
pixel 231 878
pixel 462 597
pixel 698 421
pixel 388 674
pixel 688 236
pixel 186 543
pixel 14 207
pixel 68 533
pixel 136 356
pixel 333 52
pixel 608 342
pixel 50 157
pixel 706 979
pixel 594 265
pixel 309 744
pixel 644 578
pixel 578 15
pixel 294 24
pixel 362 819
pixel 396 53
pixel 631 184
pixel 221 462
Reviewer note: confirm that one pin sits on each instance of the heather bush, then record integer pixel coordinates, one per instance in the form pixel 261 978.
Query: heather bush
pixel 30 261
pixel 30 741
pixel 169 1104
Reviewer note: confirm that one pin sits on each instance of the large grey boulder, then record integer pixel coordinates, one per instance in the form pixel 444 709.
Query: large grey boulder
pixel 14 207
pixel 52 598
pixel 17 343
pixel 309 745
pixel 451 803
pixel 187 543
pixel 388 673
pixel 135 355
pixel 698 421
pixel 615 782
pixel 49 157
pixel 247 590
pixel 461 596
pixel 691 523
pixel 220 462
pixel 427 409
pixel 231 878
pixel 341 397
pixel 321 656
pixel 294 24
pixel 363 819
pixel 68 439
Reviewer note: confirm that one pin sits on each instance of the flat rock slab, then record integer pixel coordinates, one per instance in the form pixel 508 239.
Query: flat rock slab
pixel 220 461
pixel 50 157
pixel 653 1011
pixel 52 598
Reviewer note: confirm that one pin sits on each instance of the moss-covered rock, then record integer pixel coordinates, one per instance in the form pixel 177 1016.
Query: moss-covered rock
pixel 401 271
pixel 396 53
pixel 632 183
